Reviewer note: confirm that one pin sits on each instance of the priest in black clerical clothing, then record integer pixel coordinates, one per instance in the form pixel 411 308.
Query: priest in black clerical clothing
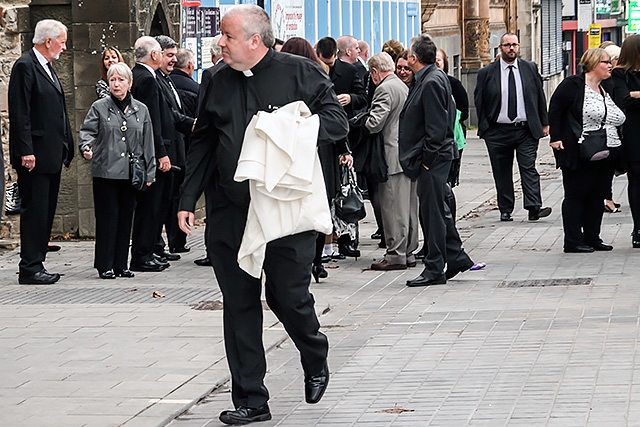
pixel 257 78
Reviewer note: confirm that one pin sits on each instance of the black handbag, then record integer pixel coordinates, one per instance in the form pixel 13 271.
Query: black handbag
pixel 349 203
pixel 137 172
pixel 594 142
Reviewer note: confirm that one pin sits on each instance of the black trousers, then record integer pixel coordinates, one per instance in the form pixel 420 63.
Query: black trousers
pixel 633 192
pixel 502 142
pixel 582 207
pixel 442 241
pixel 177 238
pixel 170 200
pixel 287 271
pixel 114 201
pixel 148 219
pixel 39 193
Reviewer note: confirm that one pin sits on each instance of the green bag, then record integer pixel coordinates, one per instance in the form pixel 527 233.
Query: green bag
pixel 458 132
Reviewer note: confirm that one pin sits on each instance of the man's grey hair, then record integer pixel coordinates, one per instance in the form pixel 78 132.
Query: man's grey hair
pixel 423 48
pixel 216 50
pixel 256 21
pixel 122 69
pixel 48 29
pixel 382 62
pixel 166 42
pixel 143 47
pixel 183 57
pixel 344 43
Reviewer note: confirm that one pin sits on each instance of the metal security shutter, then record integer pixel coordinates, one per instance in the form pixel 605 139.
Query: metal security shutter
pixel 551 36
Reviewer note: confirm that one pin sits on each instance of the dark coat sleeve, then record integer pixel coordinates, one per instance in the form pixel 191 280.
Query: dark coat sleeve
pixel 478 98
pixel 460 95
pixel 436 102
pixel 565 120
pixel 146 90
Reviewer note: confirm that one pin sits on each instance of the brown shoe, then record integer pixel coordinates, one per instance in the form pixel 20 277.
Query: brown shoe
pixel 384 266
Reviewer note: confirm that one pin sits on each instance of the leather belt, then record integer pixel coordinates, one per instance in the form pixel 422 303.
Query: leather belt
pixel 513 125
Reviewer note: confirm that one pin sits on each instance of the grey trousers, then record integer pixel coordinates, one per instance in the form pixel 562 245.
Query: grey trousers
pixel 399 211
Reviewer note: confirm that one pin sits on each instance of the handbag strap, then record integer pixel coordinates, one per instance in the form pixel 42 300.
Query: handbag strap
pixel 604 99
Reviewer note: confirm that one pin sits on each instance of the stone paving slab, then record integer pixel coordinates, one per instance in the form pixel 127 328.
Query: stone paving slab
pixel 466 353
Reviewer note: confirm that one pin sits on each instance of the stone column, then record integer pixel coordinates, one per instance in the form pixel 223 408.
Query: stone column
pixel 475 33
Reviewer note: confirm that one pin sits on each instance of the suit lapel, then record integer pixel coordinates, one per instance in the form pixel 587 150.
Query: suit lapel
pixel 42 71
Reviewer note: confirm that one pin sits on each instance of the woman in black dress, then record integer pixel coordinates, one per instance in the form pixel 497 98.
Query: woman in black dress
pixel 626 87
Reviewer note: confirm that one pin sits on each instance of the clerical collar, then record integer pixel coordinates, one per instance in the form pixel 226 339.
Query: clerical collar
pixel 260 65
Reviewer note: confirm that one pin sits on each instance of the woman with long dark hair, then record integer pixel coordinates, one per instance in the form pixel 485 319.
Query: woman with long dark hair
pixel 110 56
pixel 328 153
pixel 626 87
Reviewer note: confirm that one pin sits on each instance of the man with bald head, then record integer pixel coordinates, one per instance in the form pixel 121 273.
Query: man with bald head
pixel 256 78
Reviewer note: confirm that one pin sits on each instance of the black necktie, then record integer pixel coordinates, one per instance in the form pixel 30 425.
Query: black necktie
pixel 512 108
pixel 54 77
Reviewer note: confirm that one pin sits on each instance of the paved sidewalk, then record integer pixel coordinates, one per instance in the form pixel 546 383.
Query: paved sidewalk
pixel 537 338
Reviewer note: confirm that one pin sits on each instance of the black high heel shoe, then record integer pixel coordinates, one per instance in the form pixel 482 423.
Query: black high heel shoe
pixel 319 272
pixel 108 274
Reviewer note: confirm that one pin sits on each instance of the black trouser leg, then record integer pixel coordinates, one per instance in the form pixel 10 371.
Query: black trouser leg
pixel 177 238
pixel 317 260
pixel 633 192
pixel 39 193
pixel 147 219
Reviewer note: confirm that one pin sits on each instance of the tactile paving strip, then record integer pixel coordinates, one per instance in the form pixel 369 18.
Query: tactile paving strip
pixel 578 281
pixel 131 295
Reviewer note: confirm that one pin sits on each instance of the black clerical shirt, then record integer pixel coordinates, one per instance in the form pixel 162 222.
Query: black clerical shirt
pixel 230 102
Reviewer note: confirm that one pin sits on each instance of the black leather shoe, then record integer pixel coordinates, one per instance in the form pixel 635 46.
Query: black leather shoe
pixel 505 216
pixel 601 247
pixel 244 415
pixel 182 250
pixel 107 274
pixel 39 278
pixel 377 235
pixel 427 281
pixel 580 249
pixel 168 256
pixel 203 262
pixel 635 239
pixel 455 269
pixel 128 274
pixel 53 248
pixel 160 260
pixel 150 265
pixel 315 385
pixel 536 214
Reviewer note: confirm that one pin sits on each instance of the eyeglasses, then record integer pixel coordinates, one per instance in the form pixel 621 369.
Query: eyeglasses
pixel 606 62
pixel 402 68
pixel 510 45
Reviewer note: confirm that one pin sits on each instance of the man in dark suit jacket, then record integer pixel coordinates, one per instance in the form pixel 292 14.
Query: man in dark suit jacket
pixel 40 142
pixel 146 89
pixel 344 76
pixel 182 78
pixel 512 117
pixel 175 131
pixel 426 145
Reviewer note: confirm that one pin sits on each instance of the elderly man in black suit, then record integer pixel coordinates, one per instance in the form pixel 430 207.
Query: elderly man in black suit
pixel 182 78
pixel 175 128
pixel 40 142
pixel 427 145
pixel 512 117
